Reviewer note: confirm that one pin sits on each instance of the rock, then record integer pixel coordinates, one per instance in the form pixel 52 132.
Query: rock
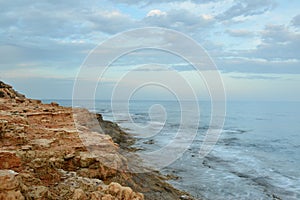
pixel 2 94
pixel 151 141
pixel 125 193
pixel 9 186
pixel 35 101
pixel 9 160
pixel 19 100
pixel 26 147
pixel 69 156
pixel 96 195
pixel 42 155
pixel 3 127
pixel 54 104
pixel 4 85
pixel 11 195
pixel 8 180
pixel 86 159
pixel 6 91
pixel 108 197
pixel 42 142
pixel 39 192
pixel 79 195
pixel 185 197
pixel 74 181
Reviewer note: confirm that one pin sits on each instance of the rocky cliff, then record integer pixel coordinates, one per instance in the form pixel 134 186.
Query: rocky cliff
pixel 42 156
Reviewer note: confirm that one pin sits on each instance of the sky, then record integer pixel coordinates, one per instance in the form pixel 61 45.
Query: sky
pixel 254 44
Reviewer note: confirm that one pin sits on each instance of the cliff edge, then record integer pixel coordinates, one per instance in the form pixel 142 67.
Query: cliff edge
pixel 42 156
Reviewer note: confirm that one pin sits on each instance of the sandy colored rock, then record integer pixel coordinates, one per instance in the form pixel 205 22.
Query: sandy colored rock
pixel 97 195
pixel 42 155
pixel 11 195
pixel 86 159
pixel 9 160
pixel 38 192
pixel 6 91
pixel 3 127
pixel 79 194
pixel 8 180
pixel 125 193
pixel 9 186
pixel 42 142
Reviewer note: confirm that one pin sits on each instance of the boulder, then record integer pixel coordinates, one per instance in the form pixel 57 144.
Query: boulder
pixel 125 193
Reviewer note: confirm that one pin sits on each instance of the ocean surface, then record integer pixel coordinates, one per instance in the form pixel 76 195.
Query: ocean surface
pixel 256 157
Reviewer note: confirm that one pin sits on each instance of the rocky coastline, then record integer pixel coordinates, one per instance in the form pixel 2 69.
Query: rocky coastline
pixel 42 156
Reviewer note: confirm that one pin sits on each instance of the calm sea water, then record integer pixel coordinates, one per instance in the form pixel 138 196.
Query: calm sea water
pixel 256 157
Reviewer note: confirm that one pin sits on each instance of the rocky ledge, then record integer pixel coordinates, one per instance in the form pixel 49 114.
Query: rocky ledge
pixel 42 156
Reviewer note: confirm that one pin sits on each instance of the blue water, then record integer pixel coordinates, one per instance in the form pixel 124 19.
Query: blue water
pixel 256 157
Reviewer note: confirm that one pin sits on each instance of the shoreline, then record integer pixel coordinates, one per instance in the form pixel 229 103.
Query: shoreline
pixel 148 179
pixel 43 157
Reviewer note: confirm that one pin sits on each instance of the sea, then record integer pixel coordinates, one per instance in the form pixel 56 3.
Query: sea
pixel 257 155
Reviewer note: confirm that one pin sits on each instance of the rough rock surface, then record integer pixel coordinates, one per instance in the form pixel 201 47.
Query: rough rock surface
pixel 42 156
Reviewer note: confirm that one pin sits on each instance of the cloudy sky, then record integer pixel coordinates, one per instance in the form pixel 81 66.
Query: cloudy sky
pixel 255 45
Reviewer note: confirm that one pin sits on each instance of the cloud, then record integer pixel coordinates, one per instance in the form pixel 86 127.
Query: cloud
pixel 245 8
pixel 151 68
pixel 151 2
pixel 156 12
pixel 296 21
pixel 258 66
pixel 42 18
pixel 46 34
pixel 278 43
pixel 276 53
pixel 44 21
pixel 51 34
pixel 239 33
pixel 260 77
pixel 184 67
pixel 278 34
pixel 178 19
pixel 110 22
pixel 57 21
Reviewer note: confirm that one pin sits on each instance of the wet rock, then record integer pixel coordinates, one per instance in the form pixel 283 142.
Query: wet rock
pixel 149 142
pixel 185 197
